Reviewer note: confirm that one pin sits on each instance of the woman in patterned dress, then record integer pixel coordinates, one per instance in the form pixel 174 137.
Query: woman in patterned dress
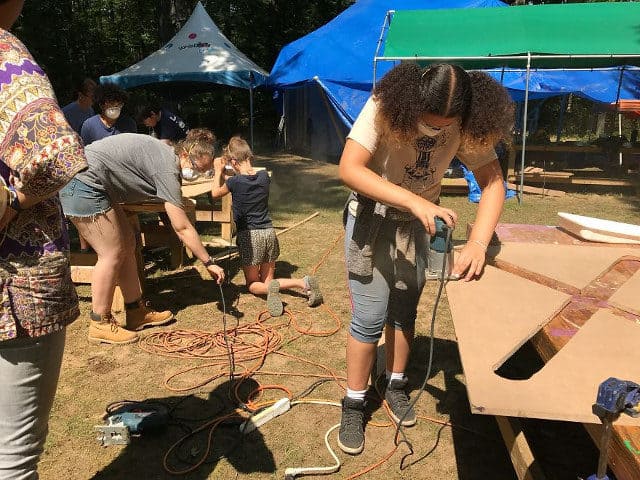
pixel 39 154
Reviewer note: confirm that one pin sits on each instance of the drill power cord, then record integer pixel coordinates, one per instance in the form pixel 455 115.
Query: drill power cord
pixel 441 283
pixel 292 473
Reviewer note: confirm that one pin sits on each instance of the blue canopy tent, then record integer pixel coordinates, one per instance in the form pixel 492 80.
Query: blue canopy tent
pixel 324 78
pixel 198 54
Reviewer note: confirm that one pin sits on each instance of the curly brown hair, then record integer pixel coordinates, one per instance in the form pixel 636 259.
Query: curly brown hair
pixel 407 92
pixel 199 141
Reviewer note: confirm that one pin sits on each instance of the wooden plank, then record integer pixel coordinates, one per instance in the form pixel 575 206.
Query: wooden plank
pixel 81 273
pixel 83 259
pixel 609 182
pixel 218 216
pixel 537 190
pixel 524 464
pixel 627 298
pixel 193 189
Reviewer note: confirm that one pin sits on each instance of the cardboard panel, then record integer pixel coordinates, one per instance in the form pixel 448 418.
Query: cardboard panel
pixel 494 316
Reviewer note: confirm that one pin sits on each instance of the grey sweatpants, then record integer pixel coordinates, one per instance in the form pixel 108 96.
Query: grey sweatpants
pixel 29 371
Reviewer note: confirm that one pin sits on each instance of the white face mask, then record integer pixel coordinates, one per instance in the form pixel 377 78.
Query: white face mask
pixel 112 113
pixel 189 174
pixel 429 131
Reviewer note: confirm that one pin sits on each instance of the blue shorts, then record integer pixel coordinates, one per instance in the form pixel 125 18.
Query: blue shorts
pixel 80 200
pixel 380 299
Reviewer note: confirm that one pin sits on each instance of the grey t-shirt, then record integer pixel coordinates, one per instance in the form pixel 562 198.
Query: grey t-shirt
pixel 133 168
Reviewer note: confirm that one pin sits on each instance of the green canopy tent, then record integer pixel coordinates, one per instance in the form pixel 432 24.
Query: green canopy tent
pixel 574 36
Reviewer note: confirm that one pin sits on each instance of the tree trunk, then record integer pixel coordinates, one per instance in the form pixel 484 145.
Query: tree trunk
pixel 172 14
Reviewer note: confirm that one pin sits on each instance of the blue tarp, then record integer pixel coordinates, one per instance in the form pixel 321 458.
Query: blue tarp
pixel 333 65
pixel 324 78
pixel 597 85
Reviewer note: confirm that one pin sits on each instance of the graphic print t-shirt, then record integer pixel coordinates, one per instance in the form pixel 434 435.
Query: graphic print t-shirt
pixel 419 167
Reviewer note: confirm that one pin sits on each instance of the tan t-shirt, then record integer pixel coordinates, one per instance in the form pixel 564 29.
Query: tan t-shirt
pixel 419 167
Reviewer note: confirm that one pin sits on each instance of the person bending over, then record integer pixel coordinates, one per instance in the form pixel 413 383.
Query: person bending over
pixel 124 169
pixel 394 159
pixel 256 237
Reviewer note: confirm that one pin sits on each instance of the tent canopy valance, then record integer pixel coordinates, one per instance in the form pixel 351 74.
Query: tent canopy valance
pixel 552 36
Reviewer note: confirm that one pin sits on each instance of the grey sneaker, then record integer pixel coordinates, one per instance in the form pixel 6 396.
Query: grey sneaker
pixel 351 436
pixel 398 401
pixel 313 290
pixel 274 303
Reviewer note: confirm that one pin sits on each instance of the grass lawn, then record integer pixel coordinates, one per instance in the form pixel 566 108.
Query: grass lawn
pixel 94 376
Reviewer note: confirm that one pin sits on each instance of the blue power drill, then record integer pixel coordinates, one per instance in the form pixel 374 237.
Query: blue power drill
pixel 440 254
pixel 615 397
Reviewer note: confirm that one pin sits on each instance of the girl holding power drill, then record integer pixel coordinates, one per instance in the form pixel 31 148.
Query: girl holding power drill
pixel 395 157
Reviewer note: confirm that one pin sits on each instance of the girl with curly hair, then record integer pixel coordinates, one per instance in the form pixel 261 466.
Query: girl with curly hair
pixel 395 157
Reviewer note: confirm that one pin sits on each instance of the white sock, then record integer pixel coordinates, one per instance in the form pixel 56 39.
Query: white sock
pixel 356 394
pixel 395 376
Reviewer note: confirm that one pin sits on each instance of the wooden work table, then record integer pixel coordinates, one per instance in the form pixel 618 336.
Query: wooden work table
pixel 154 235
pixel 624 452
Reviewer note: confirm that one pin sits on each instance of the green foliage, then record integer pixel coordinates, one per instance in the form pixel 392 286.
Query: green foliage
pixel 74 39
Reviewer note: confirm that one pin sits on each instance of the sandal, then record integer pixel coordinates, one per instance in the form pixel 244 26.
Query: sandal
pixel 313 290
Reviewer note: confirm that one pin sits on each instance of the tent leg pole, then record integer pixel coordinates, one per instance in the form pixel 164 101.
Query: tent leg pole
pixel 251 116
pixel 620 135
pixel 524 129
pixel 284 106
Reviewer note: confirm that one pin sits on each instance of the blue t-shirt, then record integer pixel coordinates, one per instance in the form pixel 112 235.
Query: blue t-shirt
pixel 93 129
pixel 250 200
pixel 76 116
pixel 170 127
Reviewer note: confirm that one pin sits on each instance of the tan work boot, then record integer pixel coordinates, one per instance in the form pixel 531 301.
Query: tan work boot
pixel 107 330
pixel 143 316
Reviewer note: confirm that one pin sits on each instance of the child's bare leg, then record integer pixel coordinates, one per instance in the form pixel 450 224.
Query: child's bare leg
pixel 258 277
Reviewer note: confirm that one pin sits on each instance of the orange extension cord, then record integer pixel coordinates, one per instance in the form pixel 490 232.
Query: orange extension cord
pixel 250 344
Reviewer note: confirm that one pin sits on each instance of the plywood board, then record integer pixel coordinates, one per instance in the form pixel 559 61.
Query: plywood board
pixel 575 265
pixel 495 315
pixel 627 297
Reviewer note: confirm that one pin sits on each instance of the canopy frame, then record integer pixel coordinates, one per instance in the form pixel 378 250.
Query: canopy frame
pixel 528 57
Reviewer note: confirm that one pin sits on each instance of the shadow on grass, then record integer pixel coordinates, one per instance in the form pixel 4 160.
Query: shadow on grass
pixel 479 450
pixel 176 291
pixel 143 457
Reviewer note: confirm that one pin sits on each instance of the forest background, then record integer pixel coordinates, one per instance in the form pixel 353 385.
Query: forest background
pixel 75 39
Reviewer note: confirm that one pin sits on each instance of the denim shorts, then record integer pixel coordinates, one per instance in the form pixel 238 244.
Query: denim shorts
pixel 379 300
pixel 80 200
